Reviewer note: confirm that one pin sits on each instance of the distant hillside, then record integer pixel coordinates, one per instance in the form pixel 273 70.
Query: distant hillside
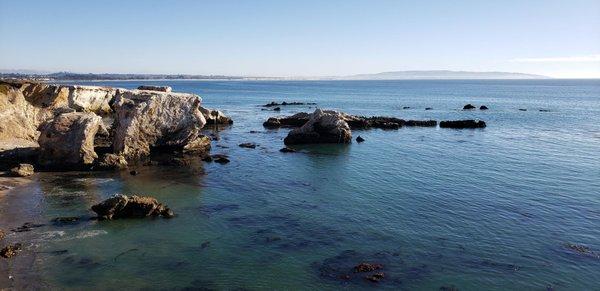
pixel 442 74
pixel 399 75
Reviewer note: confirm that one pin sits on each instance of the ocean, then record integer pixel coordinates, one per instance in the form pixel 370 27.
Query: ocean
pixel 472 209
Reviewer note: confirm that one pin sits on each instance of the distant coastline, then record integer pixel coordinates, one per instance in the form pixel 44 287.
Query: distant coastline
pixel 396 75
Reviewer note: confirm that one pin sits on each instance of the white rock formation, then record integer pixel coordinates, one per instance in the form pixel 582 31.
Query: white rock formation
pixel 68 140
pixel 152 119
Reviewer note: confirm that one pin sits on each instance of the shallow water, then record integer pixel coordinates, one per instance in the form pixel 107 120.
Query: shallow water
pixel 478 209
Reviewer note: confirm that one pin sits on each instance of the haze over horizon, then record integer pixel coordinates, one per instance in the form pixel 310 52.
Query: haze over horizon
pixel 289 39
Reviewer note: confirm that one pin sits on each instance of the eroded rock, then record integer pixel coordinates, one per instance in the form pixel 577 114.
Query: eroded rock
pixel 22 170
pixel 68 140
pixel 322 127
pixel 148 120
pixel 123 206
pixel 422 123
pixel 215 117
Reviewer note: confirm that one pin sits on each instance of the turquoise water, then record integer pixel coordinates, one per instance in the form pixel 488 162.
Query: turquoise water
pixel 478 209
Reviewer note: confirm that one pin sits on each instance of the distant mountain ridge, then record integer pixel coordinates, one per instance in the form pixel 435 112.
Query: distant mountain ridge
pixel 397 75
pixel 442 74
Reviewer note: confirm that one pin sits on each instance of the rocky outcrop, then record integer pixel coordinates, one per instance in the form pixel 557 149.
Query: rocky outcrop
pixel 68 140
pixel 123 206
pixel 483 107
pixel 284 103
pixel 459 124
pixel 10 251
pixel 322 127
pixel 295 120
pixel 215 117
pixel 421 123
pixel 22 170
pixel 112 162
pixel 468 107
pixel 148 120
pixel 155 88
pixel 26 105
pixel 91 99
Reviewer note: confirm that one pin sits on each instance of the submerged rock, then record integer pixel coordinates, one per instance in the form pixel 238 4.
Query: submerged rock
pixel 367 267
pixel 287 150
pixel 469 123
pixel 68 140
pixel 148 120
pixel 468 107
pixel 155 88
pixel 123 206
pixel 215 117
pixel 375 277
pixel 249 145
pixel 22 170
pixel 359 139
pixel 10 251
pixel 322 127
pixel 582 250
pixel 483 107
pixel 277 109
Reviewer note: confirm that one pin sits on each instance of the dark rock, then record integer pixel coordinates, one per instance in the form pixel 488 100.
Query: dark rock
pixel 220 158
pixel 359 139
pixel 155 88
pixel 133 172
pixel 295 120
pixel 367 267
pixel 406 107
pixel 544 110
pixel 322 127
pixel 122 206
pixel 522 109
pixel 423 123
pixel 273 104
pixel 207 159
pixel 375 277
pixel 249 145
pixel 10 251
pixel 469 123
pixel 468 107
pixel 428 108
pixel 205 245
pixel 287 150
pixel 22 170
pixel 483 107
pixel 277 109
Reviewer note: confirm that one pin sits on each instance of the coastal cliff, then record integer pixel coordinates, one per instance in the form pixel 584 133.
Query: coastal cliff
pixel 60 126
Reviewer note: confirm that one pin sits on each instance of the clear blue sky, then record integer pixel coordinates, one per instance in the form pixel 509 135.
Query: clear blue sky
pixel 301 38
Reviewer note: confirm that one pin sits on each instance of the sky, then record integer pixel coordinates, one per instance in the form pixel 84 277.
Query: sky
pixel 301 38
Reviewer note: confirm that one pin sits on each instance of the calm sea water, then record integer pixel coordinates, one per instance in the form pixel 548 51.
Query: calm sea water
pixel 486 209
